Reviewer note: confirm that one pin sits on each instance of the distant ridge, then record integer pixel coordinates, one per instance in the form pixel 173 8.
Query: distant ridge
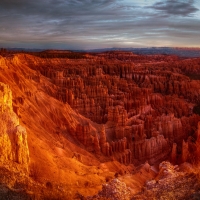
pixel 179 51
pixel 189 52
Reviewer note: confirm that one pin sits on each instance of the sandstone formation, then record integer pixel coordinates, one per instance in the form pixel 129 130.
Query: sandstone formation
pixel 145 105
pixel 13 136
pixel 103 108
pixel 139 102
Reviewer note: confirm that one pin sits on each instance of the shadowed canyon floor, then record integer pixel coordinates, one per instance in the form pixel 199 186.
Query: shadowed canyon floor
pixel 72 122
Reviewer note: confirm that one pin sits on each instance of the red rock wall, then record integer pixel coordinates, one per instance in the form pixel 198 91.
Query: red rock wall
pixel 146 100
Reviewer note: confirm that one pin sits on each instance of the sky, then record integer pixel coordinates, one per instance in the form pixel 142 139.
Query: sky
pixel 94 24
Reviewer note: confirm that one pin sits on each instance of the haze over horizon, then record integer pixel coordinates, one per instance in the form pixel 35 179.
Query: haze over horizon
pixel 90 24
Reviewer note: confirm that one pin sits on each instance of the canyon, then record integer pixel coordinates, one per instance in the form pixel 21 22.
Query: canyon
pixel 72 122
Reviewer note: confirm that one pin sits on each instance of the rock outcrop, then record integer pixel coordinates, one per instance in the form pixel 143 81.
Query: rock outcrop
pixel 171 183
pixel 13 136
pixel 114 190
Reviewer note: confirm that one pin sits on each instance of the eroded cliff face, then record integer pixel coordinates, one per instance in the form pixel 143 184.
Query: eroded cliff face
pixel 144 104
pixel 13 136
pixel 113 108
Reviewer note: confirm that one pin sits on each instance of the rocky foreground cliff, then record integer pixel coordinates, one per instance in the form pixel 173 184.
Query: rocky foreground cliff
pixel 72 123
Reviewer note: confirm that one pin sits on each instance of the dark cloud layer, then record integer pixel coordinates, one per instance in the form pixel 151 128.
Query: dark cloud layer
pixel 174 7
pixel 83 24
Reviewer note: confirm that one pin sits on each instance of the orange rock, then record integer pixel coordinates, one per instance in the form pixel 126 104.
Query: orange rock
pixel 13 137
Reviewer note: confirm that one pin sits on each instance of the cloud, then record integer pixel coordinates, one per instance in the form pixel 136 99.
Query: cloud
pixel 54 8
pixel 176 7
pixel 92 24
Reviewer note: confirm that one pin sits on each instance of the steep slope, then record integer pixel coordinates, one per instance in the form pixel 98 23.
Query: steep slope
pixel 55 156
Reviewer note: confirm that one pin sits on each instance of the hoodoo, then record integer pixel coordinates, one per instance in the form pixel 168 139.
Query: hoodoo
pixel 70 125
